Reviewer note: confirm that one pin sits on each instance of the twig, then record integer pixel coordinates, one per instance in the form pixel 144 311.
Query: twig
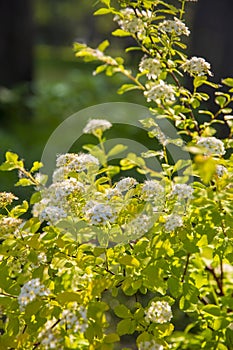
pixel 186 267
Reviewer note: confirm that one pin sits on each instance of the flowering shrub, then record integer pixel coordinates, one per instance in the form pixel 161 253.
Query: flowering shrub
pixel 98 256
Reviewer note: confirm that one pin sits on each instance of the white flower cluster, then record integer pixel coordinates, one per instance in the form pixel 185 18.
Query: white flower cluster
pixel 72 321
pixel 99 213
pixel 138 226
pixel 150 345
pixel 158 312
pixel 175 26
pixel 125 184
pixel 96 124
pixel 6 198
pixel 130 23
pixel 49 337
pixel 212 145
pixel 9 225
pixel 76 162
pixel 196 66
pixel 221 170
pixel 54 204
pixel 151 189
pixel 52 214
pixel 161 91
pixel 173 221
pixel 150 66
pixel 183 191
pixel 112 192
pixel 30 291
pixel 64 188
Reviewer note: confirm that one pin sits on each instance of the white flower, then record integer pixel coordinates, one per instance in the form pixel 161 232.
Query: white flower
pixel 158 312
pixel 76 162
pixel 139 226
pixel 160 91
pixel 9 225
pixel 99 213
pixel 150 345
pixel 151 66
pixel 212 145
pixel 40 206
pixel 112 192
pixel 175 26
pixel 60 174
pixel 65 159
pixel 82 162
pixel 72 321
pixel 172 222
pixel 52 214
pixel 49 337
pixel 196 66
pixel 151 189
pixel 6 198
pixel 221 170
pixel 30 291
pixel 64 188
pixel 125 184
pixel 96 124
pixel 183 191
pixel 130 23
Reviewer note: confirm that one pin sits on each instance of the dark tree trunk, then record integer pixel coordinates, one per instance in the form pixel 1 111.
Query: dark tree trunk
pixel 16 42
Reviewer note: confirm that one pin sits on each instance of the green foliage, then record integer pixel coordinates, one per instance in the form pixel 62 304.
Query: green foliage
pixel 97 258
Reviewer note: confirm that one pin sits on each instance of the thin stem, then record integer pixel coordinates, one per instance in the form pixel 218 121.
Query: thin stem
pixel 28 175
pixel 182 10
pixel 216 278
pixel 8 295
pixel 131 77
pixel 186 267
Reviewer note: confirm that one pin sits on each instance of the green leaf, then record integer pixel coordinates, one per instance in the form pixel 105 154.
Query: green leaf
pixel 228 82
pixel 51 233
pixel 36 166
pixel 120 32
pixel 229 336
pixel 226 110
pixel 122 311
pixel 180 164
pixel 212 309
pixel 174 286
pixel 13 325
pixel 102 47
pixel 116 150
pixel 127 87
pixel 66 297
pixel 35 198
pixel 103 11
pixel 20 209
pixel 24 182
pixel 206 167
pixel 220 100
pixel 111 338
pixel 199 80
pixel 129 260
pixel 11 162
pixel 125 327
pixel 106 2
pixel 100 69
